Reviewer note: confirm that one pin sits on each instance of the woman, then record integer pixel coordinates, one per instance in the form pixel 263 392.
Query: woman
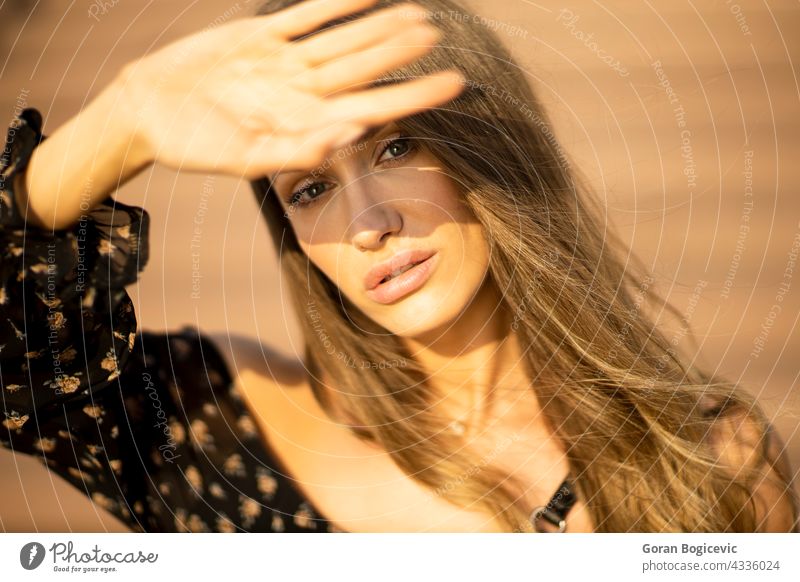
pixel 476 356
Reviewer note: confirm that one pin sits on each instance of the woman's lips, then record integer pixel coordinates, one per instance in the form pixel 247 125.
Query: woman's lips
pixel 401 260
pixel 400 286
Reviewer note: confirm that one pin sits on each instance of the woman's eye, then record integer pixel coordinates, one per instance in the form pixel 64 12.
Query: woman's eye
pixel 314 191
pixel 397 148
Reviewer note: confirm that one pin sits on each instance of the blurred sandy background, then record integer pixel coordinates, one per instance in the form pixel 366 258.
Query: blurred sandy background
pixel 731 66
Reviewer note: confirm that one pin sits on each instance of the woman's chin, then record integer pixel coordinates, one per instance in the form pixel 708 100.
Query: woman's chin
pixel 418 315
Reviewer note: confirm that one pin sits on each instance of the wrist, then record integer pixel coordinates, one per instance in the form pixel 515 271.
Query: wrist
pixel 125 123
pixel 83 161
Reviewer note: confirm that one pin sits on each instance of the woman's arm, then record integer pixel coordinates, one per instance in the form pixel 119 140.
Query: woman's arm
pixel 245 98
pixel 81 163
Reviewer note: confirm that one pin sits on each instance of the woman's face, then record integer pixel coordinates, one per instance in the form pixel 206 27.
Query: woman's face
pixel 376 198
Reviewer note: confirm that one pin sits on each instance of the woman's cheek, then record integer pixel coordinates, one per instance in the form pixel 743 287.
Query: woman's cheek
pixel 334 268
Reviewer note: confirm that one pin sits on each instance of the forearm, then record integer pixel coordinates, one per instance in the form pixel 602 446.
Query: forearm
pixel 82 162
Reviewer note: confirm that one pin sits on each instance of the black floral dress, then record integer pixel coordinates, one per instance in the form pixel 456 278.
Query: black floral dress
pixel 148 425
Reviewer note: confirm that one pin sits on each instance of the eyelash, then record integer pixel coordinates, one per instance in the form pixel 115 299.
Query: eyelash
pixel 296 195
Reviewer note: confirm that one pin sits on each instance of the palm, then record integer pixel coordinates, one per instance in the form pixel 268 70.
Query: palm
pixel 243 99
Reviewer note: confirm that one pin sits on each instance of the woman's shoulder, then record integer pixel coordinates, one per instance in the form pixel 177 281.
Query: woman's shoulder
pixel 212 379
pixel 741 440
pixel 274 388
pixel 208 369
pixel 248 355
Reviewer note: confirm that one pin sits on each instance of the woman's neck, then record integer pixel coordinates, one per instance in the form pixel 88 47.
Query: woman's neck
pixel 476 363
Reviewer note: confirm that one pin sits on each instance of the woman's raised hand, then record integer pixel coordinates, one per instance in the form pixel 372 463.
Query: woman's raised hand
pixel 244 99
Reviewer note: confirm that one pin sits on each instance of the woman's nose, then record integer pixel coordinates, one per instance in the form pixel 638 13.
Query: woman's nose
pixel 374 219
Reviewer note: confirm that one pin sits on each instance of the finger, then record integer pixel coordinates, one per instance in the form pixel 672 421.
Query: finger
pixel 308 16
pixel 359 34
pixel 384 104
pixel 280 153
pixel 367 65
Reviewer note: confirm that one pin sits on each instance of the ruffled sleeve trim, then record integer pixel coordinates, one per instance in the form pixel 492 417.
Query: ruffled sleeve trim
pixel 104 251
pixel 24 135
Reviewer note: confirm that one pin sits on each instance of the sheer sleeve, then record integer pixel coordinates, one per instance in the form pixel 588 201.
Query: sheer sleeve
pixel 61 292
pixel 149 425
pixel 67 330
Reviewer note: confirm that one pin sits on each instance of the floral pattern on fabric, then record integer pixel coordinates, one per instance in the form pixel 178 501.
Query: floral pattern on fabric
pixel 148 425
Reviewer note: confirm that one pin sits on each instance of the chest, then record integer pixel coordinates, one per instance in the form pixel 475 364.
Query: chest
pixel 359 488
pixel 369 493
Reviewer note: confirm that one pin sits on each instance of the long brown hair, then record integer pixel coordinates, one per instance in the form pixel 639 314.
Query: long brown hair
pixel 632 413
